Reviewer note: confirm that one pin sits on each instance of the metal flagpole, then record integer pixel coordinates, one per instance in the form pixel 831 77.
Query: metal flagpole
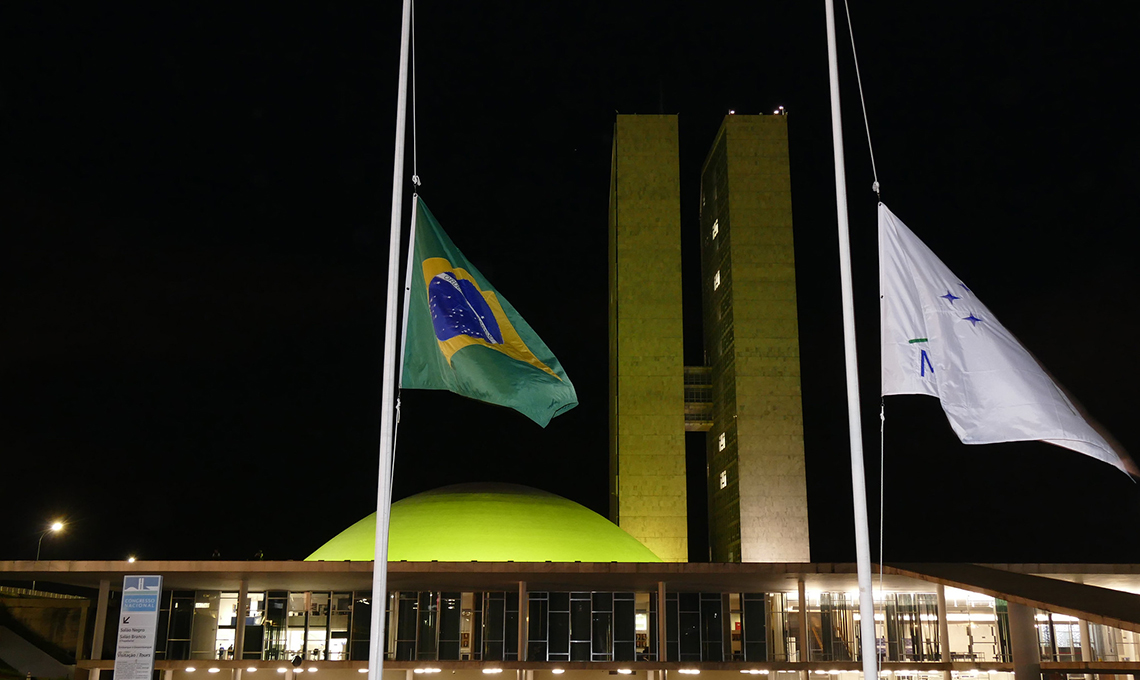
pixel 854 419
pixel 388 395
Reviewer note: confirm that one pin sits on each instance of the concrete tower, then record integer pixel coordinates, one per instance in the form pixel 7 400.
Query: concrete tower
pixel 647 421
pixel 757 484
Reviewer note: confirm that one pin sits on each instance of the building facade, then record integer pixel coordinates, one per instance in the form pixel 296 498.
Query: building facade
pixel 592 620
pixel 747 396
pixel 648 496
pixel 757 483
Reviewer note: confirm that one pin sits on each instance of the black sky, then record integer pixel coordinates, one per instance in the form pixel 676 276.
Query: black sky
pixel 194 207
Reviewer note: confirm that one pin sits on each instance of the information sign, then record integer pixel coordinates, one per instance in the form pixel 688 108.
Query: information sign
pixel 138 627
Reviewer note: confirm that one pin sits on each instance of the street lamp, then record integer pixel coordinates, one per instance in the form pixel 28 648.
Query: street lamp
pixel 55 528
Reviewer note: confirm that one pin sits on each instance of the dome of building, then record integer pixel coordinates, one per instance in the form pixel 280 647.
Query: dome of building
pixel 489 523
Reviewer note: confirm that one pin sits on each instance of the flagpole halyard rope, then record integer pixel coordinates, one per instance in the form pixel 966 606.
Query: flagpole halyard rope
pixel 882 505
pixel 862 101
pixel 415 129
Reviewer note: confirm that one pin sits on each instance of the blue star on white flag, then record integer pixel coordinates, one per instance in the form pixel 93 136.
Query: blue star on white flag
pixel 939 339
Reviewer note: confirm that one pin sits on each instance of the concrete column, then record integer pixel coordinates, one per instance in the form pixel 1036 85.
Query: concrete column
pixel 82 631
pixel 1086 644
pixel 1024 643
pixel 409 674
pixel 662 635
pixel 1086 641
pixel 943 626
pixel 239 634
pixel 100 624
pixel 524 616
pixel 802 639
pixel 168 674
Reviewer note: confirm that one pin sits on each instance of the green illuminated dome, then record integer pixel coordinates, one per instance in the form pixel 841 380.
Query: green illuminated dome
pixel 489 523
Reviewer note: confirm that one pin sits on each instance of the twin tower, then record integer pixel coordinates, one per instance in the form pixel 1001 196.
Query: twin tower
pixel 747 395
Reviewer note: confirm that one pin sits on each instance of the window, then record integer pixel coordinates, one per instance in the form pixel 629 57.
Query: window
pixel 723 478
pixel 720 442
pixel 716 280
pixel 716 228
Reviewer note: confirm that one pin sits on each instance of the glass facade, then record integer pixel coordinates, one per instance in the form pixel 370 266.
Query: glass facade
pixel 1067 638
pixel 603 626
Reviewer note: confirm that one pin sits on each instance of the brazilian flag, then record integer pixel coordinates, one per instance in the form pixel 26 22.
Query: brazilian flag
pixel 464 337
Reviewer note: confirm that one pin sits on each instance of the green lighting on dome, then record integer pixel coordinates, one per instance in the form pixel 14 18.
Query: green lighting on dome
pixel 489 523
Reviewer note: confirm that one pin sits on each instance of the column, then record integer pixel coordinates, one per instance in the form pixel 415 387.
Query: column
pixel 524 616
pixel 1086 644
pixel 943 626
pixel 100 624
pixel 239 633
pixel 802 639
pixel 82 629
pixel 662 633
pixel 1024 642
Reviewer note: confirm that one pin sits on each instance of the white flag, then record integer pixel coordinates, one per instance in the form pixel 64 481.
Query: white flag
pixel 939 339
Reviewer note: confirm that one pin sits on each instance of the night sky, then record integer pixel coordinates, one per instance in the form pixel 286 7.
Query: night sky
pixel 194 208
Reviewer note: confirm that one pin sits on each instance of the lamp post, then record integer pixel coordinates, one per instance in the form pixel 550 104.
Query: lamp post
pixel 55 528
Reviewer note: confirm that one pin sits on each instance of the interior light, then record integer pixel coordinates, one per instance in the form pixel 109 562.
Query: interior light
pixel 213 670
pixel 282 670
pixel 624 671
pixel 190 669
pixel 312 669
pixel 251 669
pixel 557 671
pixel 361 670
pixel 489 671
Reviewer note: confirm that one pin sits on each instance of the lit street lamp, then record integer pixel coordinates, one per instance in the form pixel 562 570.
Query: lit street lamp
pixel 55 528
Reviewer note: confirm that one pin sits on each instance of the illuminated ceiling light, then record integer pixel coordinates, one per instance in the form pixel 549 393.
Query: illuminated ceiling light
pixel 626 671
pixel 251 669
pixel 489 671
pixel 190 669
pixel 213 670
pixel 282 670
pixel 312 669
pixel 361 670
pixel 557 671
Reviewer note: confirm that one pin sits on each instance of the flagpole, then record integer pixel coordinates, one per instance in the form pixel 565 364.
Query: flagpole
pixel 854 418
pixel 388 393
